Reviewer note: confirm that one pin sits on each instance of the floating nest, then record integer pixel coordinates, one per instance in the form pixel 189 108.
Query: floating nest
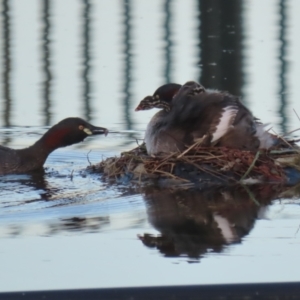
pixel 203 166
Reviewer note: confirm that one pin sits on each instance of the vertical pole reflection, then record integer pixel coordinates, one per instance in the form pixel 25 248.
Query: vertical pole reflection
pixel 86 59
pixel 221 44
pixel 283 66
pixel 46 53
pixel 6 63
pixel 209 37
pixel 167 39
pixel 128 63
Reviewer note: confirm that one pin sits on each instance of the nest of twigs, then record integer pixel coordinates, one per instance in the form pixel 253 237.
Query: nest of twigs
pixel 199 165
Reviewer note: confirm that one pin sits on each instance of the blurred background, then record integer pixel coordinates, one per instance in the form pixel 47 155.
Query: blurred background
pixel 97 59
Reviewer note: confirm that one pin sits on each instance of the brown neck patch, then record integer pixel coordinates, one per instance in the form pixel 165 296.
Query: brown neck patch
pixel 54 139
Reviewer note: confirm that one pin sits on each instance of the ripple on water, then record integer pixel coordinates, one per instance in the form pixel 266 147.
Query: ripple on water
pixel 64 194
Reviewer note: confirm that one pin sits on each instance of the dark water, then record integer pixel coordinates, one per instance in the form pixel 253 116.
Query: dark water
pixel 67 228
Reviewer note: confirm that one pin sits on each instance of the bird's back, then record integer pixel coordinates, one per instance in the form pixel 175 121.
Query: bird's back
pixel 9 160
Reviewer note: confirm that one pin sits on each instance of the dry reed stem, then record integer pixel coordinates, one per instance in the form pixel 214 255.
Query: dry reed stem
pixel 251 166
pixel 191 147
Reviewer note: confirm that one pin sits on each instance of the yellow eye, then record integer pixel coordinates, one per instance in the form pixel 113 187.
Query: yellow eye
pixel 81 127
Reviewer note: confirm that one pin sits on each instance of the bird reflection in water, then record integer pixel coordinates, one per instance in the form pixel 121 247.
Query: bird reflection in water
pixel 33 181
pixel 79 224
pixel 193 222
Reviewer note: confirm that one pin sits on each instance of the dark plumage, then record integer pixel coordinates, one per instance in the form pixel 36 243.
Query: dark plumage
pixel 192 113
pixel 218 117
pixel 161 98
pixel 67 132
pixel 162 141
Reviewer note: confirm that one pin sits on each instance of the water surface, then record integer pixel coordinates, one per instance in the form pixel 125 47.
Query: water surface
pixel 67 228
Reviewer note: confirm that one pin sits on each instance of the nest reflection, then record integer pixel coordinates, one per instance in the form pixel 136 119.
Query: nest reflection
pixel 192 222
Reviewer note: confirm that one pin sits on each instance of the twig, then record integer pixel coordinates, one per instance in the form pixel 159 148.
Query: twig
pixel 284 151
pixel 296 114
pixel 87 156
pixel 191 147
pixel 171 175
pixel 251 166
pixel 287 133
pixel 251 195
pixel 297 230
pixel 211 172
pixel 137 142
pixel 71 176
pixel 283 140
pixel 162 162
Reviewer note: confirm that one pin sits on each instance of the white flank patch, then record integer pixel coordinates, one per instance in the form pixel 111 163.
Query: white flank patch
pixel 226 228
pixel 265 138
pixel 226 120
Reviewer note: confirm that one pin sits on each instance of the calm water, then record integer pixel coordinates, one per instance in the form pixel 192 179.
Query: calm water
pixel 67 228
